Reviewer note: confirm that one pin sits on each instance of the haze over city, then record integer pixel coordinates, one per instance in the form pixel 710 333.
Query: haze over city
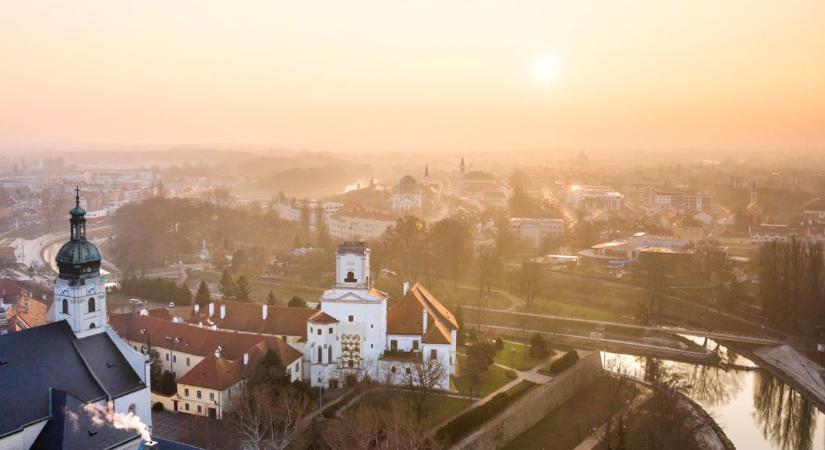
pixel 430 225
pixel 429 77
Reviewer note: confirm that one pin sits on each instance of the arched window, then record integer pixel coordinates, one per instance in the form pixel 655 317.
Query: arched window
pixel 92 304
pixel 132 408
pixel 350 278
pixel 65 306
pixel 329 354
pixel 92 325
pixel 320 355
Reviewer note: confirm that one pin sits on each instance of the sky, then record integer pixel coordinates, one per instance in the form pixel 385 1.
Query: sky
pixel 420 76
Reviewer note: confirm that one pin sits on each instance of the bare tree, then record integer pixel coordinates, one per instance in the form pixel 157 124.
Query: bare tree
pixel 616 404
pixel 420 379
pixel 270 419
pixel 368 428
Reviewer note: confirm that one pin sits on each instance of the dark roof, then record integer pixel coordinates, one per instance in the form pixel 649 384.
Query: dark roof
pixel 165 444
pixel 51 357
pixel 76 425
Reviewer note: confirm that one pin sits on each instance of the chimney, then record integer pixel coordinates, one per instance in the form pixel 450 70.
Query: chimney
pixel 144 311
pixel 211 309
pixel 424 319
pixel 197 308
pixel 246 359
pixel 223 312
pixel 264 311
pixel 150 445
pixel 406 287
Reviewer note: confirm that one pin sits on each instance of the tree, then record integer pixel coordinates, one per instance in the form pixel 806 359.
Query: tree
pixel 488 265
pixel 297 302
pixel 168 386
pixel 528 282
pixel 655 267
pixel 270 418
pixel 227 286
pixel 619 385
pixel 420 379
pixel 538 347
pixel 405 246
pixel 271 299
pixel 371 427
pixel 479 357
pixel 203 296
pixel 242 290
pixel 269 372
pixel 451 247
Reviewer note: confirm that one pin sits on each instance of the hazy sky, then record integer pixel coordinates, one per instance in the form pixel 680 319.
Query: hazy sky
pixel 414 75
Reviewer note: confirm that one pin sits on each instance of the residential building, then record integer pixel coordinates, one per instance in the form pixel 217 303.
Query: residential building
pixel 536 230
pixel 680 200
pixel 619 253
pixel 360 223
pixel 407 196
pixel 592 198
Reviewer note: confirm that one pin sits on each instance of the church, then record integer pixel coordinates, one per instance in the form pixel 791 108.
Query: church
pixel 73 383
pixel 355 333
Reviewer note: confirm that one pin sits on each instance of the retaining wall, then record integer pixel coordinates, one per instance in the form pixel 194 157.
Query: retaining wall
pixel 529 410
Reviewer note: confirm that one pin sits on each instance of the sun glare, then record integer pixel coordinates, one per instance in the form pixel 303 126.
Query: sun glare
pixel 546 68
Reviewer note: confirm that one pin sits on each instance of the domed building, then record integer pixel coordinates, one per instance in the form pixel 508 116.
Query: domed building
pixel 407 196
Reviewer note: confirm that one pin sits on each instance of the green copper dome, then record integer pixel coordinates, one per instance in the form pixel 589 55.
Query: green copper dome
pixel 78 259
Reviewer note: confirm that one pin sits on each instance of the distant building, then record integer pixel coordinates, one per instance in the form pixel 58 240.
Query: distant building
pixel 769 232
pixel 814 210
pixel 592 198
pixel 680 200
pixel 407 196
pixel 620 253
pixel 360 223
pixel 536 230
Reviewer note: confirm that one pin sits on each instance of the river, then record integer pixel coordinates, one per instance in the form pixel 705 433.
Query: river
pixel 756 410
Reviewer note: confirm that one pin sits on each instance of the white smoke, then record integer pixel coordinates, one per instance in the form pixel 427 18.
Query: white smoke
pixel 128 421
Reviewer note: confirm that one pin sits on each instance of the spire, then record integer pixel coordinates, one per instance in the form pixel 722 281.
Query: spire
pixel 77 196
pixel 462 165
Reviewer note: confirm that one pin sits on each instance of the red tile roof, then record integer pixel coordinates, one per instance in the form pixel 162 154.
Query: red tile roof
pixel 248 317
pixel 219 373
pixel 196 340
pixel 322 317
pixel 406 317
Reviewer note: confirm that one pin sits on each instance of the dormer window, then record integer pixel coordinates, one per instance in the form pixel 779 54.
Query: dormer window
pixel 350 278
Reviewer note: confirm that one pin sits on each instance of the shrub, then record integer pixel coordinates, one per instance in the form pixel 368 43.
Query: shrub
pixel 499 343
pixel 158 406
pixel 464 424
pixel 511 374
pixel 538 347
pixel 563 363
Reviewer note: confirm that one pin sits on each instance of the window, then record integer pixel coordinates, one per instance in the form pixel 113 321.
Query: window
pixel 200 410
pixel 351 318
pixel 350 278
pixel 329 354
pixel 408 371
pixel 320 331
pixel 186 392
pixel 198 394
pixel 187 361
pixel 212 396
pixel 311 329
pixel 433 354
pixel 167 356
pixel 320 355
pixel 394 345
pixel 350 363
pixel 415 344
pixel 65 306
pixel 174 358
pixel 92 304
pixel 92 325
pixel 330 330
pixel 392 369
pixel 186 406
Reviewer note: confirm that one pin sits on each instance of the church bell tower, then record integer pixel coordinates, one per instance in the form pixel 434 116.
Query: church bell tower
pixel 79 290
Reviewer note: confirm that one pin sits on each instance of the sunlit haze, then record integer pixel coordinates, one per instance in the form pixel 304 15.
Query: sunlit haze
pixel 425 76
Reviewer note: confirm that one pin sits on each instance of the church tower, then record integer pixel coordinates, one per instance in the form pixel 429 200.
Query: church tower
pixel 79 290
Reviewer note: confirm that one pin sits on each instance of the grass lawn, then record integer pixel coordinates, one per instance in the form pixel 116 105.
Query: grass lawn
pixel 441 407
pixel 495 378
pixel 448 295
pixel 570 423
pixel 260 289
pixel 515 355
pixel 559 308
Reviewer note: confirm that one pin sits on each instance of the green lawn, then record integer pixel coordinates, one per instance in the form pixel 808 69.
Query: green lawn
pixel 515 355
pixel 260 289
pixel 494 378
pixel 559 308
pixel 449 295
pixel 441 407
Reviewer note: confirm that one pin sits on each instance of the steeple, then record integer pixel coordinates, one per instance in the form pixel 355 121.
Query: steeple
pixel 78 259
pixel 77 229
pixel 462 165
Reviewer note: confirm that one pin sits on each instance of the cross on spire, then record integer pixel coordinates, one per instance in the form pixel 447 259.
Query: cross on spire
pixel 77 196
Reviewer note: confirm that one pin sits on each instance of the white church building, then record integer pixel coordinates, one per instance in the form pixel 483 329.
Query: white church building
pixel 355 334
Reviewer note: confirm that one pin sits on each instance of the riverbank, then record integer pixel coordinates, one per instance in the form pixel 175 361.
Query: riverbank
pixel 795 369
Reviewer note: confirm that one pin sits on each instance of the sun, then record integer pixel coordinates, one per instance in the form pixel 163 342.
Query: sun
pixel 546 68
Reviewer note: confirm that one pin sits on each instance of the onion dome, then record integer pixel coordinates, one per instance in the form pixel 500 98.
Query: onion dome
pixel 78 259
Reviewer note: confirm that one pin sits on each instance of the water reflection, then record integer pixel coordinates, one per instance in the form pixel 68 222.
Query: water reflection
pixel 785 417
pixel 756 410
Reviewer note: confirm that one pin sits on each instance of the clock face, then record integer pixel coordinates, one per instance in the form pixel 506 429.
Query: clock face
pixel 91 289
pixel 64 291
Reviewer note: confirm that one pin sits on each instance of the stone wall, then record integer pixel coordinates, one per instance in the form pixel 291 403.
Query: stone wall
pixel 528 411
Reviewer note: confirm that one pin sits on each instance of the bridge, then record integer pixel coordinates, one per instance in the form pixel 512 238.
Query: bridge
pixel 741 338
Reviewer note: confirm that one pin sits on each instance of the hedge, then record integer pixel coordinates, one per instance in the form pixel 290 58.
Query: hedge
pixel 560 365
pixel 462 425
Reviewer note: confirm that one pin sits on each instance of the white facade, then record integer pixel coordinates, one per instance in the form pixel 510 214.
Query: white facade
pixel 82 305
pixel 590 198
pixel 536 230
